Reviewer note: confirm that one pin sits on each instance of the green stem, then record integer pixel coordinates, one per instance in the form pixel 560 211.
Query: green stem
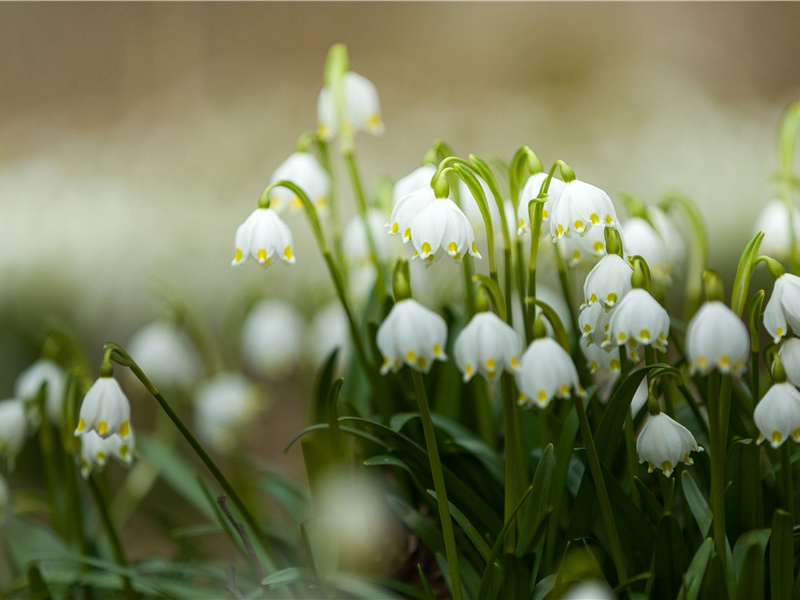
pixel 520 281
pixel 602 492
pixel 535 219
pixel 514 459
pixel 438 484
pixel 786 476
pixel 486 427
pixel 717 460
pixel 566 289
pixel 468 286
pixel 46 446
pixel 633 462
pixel 754 378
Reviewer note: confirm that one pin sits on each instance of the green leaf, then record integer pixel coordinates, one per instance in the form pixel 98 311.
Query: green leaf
pixel 654 508
pixel 538 505
pixel 559 331
pixel 751 573
pixel 289 575
pixel 669 559
pixel 426 587
pixel 319 538
pixel 715 583
pixel 544 587
pixel 693 579
pixel 480 544
pixel 429 535
pixel 781 559
pixel 37 587
pixel 28 542
pixel 743 496
pixel 698 505
pixel 744 272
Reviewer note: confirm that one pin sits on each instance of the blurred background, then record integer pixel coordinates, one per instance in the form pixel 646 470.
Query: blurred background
pixel 135 138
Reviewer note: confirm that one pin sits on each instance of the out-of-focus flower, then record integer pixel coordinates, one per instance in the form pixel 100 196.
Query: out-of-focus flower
pixel 717 339
pixel 529 192
pixel 304 170
pixel 487 345
pixel 13 429
pixel 105 409
pixel 663 443
pixel 30 382
pixel 441 228
pixel 165 354
pixel 789 354
pixel 641 239
pixel 673 240
pixel 418 178
pixel 774 222
pixel 224 406
pixel 263 237
pixel 639 319
pixel 783 307
pixel 608 281
pixel 95 451
pixel 589 590
pixel 545 372
pixel 777 415
pixel 272 337
pixel 355 245
pixel 362 110
pixel 328 330
pixel 580 207
pixel 411 334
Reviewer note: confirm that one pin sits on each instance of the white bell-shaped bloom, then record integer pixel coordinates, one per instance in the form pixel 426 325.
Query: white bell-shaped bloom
pixel 441 228
pixel 263 237
pixel 355 245
pixel 601 359
pixel 641 239
pixel 545 372
pixel 790 358
pixel 777 415
pixel 530 191
pixel 593 321
pixel 783 307
pixel 469 206
pixel 418 178
pixel 407 209
pixel 224 406
pixel 165 354
pixel 589 590
pixel 580 207
pixel 717 339
pixel 639 319
pixel 411 334
pixel 95 451
pixel 663 443
pixel 608 281
pixel 304 170
pixel 774 222
pixel 362 110
pixel 328 330
pixel 272 338
pixel 48 373
pixel 13 429
pixel 674 243
pixel 105 409
pixel 577 249
pixel 487 345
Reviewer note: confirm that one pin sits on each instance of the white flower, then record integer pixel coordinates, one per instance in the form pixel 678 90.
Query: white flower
pixel 580 207
pixel 224 406
pixel 673 241
pixel 774 222
pixel 328 330
pixel 608 281
pixel 441 228
pixel 639 319
pixel 601 359
pixel 530 191
pixel 406 209
pixel 105 409
pixel 663 443
pixel 777 415
pixel 30 381
pixel 355 245
pixel 411 334
pixel 418 178
pixel 272 337
pixel 577 249
pixel 783 307
pixel 487 345
pixel 263 237
pixel 790 358
pixel 362 111
pixel 546 371
pixel 165 354
pixel 640 239
pixel 304 170
pixel 13 429
pixel 589 590
pixel 717 339
pixel 95 450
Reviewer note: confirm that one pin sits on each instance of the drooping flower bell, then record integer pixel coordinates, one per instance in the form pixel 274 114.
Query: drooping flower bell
pixel 96 449
pixel 531 191
pixel 545 372
pixel 717 339
pixel 362 110
pixel 441 228
pixel 224 406
pixel 783 307
pixel 663 443
pixel 789 354
pixel 164 352
pixel 105 409
pixel 272 338
pixel 608 281
pixel 601 359
pixel 264 237
pixel 639 319
pixel 13 429
pixel 487 345
pixel 406 209
pixel 777 415
pixel 774 222
pixel 30 381
pixel 584 248
pixel 643 240
pixel 580 207
pixel 413 335
pixel 304 170
pixel 674 243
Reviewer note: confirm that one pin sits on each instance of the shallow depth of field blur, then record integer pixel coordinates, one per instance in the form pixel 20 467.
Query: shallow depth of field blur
pixel 135 138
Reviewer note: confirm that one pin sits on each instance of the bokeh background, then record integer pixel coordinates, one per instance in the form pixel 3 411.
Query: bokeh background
pixel 135 138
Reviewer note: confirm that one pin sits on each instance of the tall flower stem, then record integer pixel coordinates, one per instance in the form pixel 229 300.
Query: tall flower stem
pixel 717 461
pixel 438 484
pixel 602 493
pixel 787 478
pixel 535 209
pixel 514 459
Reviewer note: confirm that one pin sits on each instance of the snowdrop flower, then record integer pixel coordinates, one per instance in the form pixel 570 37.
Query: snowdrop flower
pixel 165 354
pixel 674 243
pixel 529 192
pixel 777 415
pixel 411 334
pixel 577 249
pixel 774 222
pixel 263 237
pixel 608 281
pixel 304 170
pixel 95 451
pixel 418 178
pixel 642 240
pixel 589 590
pixel 546 371
pixel 783 307
pixel 272 337
pixel 224 406
pixel 487 345
pixel 355 245
pixel 717 339
pixel 105 409
pixel 593 321
pixel 663 443
pixel 580 207
pixel 441 228
pixel 789 354
pixel 30 381
pixel 13 429
pixel 328 330
pixel 601 359
pixel 362 111
pixel 406 209
pixel 639 319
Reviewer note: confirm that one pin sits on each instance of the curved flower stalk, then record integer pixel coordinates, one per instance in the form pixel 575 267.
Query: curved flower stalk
pixel 470 208
pixel 166 353
pixel 783 308
pixel 663 443
pixel 580 207
pixel 777 415
pixel 413 335
pixel 46 373
pixel 487 345
pixel 272 337
pixel 263 237
pixel 717 339
pixel 304 170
